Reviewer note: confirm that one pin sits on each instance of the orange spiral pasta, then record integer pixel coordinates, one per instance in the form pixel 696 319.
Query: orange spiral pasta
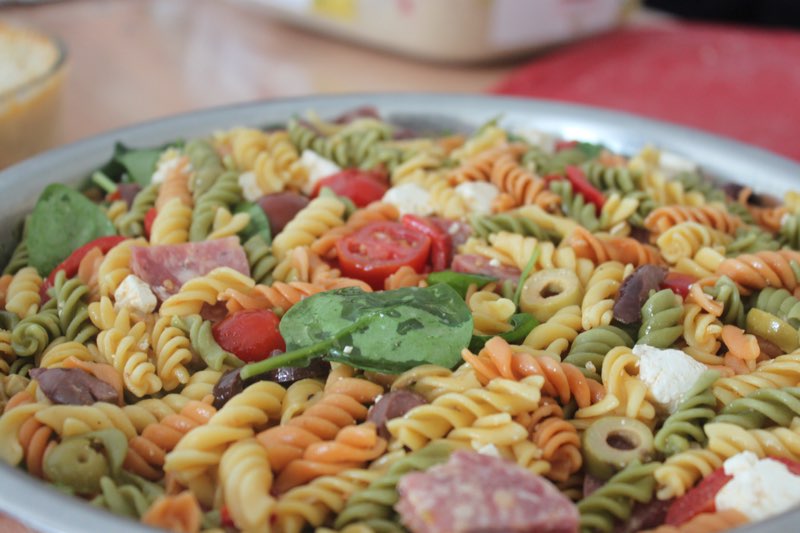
pixel 599 248
pixel 478 167
pixel 562 380
pixel 663 218
pixel 325 246
pixel 341 405
pixel 88 272
pixel 279 295
pixel 560 445
pixel 706 523
pixel 351 448
pixel 526 188
pixel 147 452
pixel 34 437
pixel 179 513
pixel 743 349
pixel 405 277
pixel 5 281
pixel 762 269
pixel 302 264
pixel 175 184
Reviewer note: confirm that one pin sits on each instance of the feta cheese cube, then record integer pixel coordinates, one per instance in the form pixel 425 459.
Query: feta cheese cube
pixel 249 184
pixel 409 198
pixel 318 167
pixel 135 295
pixel 669 374
pixel 672 164
pixel 479 195
pixel 759 488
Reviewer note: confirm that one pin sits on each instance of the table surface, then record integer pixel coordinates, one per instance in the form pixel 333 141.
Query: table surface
pixel 133 60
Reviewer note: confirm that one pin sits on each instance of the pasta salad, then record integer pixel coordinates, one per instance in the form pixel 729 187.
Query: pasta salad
pixel 346 325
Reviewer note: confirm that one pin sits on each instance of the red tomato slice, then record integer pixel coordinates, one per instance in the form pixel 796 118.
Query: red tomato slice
pixel 149 218
pixel 793 466
pixel 362 186
pixel 580 184
pixel 250 335
pixel 378 250
pixel 441 243
pixel 70 264
pixel 679 283
pixel 698 500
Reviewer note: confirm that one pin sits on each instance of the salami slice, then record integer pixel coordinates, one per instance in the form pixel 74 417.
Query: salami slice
pixel 478 264
pixel 165 268
pixel 473 492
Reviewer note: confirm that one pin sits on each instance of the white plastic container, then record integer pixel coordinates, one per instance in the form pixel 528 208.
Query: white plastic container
pixel 453 30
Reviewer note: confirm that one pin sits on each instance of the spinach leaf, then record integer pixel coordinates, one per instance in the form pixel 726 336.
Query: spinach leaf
pixel 388 331
pixel 523 324
pixel 460 281
pixel 138 163
pixel 62 221
pixel 591 150
pixel 523 276
pixel 259 223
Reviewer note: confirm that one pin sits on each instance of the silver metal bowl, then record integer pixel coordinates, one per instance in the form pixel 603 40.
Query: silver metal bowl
pixel 47 510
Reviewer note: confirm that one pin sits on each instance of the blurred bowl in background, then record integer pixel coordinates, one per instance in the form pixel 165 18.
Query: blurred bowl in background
pixel 32 70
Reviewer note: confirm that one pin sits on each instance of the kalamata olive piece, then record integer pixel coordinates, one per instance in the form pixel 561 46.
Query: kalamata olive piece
pixel 281 207
pixel 317 368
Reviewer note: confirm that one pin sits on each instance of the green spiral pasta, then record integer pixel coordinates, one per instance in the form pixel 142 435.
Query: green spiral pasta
pixel 740 210
pixel 32 334
pixel 485 225
pixel 591 346
pixel 749 240
pixel 203 343
pixel 73 312
pixel 762 408
pixel 789 233
pixel 8 320
pixel 260 258
pixel 613 502
pixel 781 303
pixel 693 181
pixel 575 206
pixel 131 497
pixel 661 320
pixel 206 165
pixel 20 257
pixel 611 178
pixel 536 160
pixel 361 143
pixel 685 425
pixel 20 367
pixel 646 205
pixel 131 224
pixel 727 293
pixel 224 192
pixel 373 506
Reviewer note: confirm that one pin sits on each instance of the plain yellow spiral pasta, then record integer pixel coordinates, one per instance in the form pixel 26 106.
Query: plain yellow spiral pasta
pixel 171 225
pixel 313 221
pixel 23 297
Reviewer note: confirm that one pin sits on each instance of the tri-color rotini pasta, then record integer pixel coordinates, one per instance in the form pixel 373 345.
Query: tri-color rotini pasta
pixel 226 348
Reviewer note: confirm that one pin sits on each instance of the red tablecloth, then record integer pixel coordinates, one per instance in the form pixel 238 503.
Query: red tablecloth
pixel 739 82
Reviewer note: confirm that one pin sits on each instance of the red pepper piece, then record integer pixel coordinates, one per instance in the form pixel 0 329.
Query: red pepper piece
pixel 580 184
pixel 149 218
pixel 70 264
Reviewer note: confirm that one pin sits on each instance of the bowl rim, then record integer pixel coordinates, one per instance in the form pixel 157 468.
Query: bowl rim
pixel 54 511
pixel 13 94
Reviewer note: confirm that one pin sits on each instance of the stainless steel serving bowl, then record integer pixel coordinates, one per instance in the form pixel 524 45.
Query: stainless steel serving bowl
pixel 47 510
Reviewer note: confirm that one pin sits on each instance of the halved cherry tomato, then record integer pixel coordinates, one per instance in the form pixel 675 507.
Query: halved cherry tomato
pixel 565 145
pixel 698 500
pixel 362 186
pixel 441 243
pixel 225 518
pixel 70 264
pixel 580 184
pixel 149 218
pixel 679 283
pixel 378 250
pixel 250 335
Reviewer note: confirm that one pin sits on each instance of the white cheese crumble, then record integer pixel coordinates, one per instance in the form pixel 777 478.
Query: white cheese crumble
pixel 347 350
pixel 487 449
pixel 672 164
pixel 478 195
pixel 318 167
pixel 539 138
pixel 135 295
pixel 495 262
pixel 249 184
pixel 669 374
pixel 409 198
pixel 168 163
pixel 759 488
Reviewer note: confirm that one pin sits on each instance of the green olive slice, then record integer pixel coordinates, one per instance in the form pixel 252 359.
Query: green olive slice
pixel 77 464
pixel 547 291
pixel 611 443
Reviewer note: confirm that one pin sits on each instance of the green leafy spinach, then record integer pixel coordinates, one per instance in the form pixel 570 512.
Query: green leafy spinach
pixel 138 164
pixel 259 223
pixel 389 331
pixel 62 221
pixel 522 323
pixel 460 281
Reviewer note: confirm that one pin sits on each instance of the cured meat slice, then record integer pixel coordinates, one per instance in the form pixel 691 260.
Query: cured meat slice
pixel 473 492
pixel 165 268
pixel 478 264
